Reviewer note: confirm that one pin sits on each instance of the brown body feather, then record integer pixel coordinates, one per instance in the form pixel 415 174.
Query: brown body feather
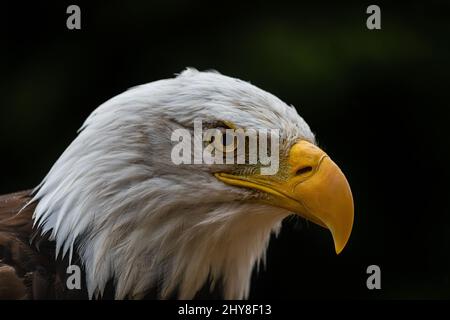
pixel 28 268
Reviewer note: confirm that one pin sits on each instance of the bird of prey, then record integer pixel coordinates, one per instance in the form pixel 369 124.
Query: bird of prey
pixel 139 225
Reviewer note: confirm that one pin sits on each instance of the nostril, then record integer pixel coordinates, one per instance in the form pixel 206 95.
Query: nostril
pixel 304 170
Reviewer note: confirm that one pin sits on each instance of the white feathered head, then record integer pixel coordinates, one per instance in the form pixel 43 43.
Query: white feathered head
pixel 137 218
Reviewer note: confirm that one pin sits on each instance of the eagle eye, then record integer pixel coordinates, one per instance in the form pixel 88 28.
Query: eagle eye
pixel 225 140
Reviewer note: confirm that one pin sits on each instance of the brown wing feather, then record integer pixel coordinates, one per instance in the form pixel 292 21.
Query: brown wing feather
pixel 28 268
pixel 17 258
pixel 11 286
pixel 25 272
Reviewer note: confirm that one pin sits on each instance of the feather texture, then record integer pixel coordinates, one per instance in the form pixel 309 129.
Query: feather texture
pixel 115 199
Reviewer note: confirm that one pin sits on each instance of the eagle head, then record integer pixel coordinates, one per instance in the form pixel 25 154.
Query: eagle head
pixel 136 217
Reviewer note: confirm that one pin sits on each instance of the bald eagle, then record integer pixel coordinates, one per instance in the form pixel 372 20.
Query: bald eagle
pixel 137 224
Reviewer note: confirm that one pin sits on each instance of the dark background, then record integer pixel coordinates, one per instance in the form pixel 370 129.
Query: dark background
pixel 377 100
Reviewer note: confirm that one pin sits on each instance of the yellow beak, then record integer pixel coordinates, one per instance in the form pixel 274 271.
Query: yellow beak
pixel 309 184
